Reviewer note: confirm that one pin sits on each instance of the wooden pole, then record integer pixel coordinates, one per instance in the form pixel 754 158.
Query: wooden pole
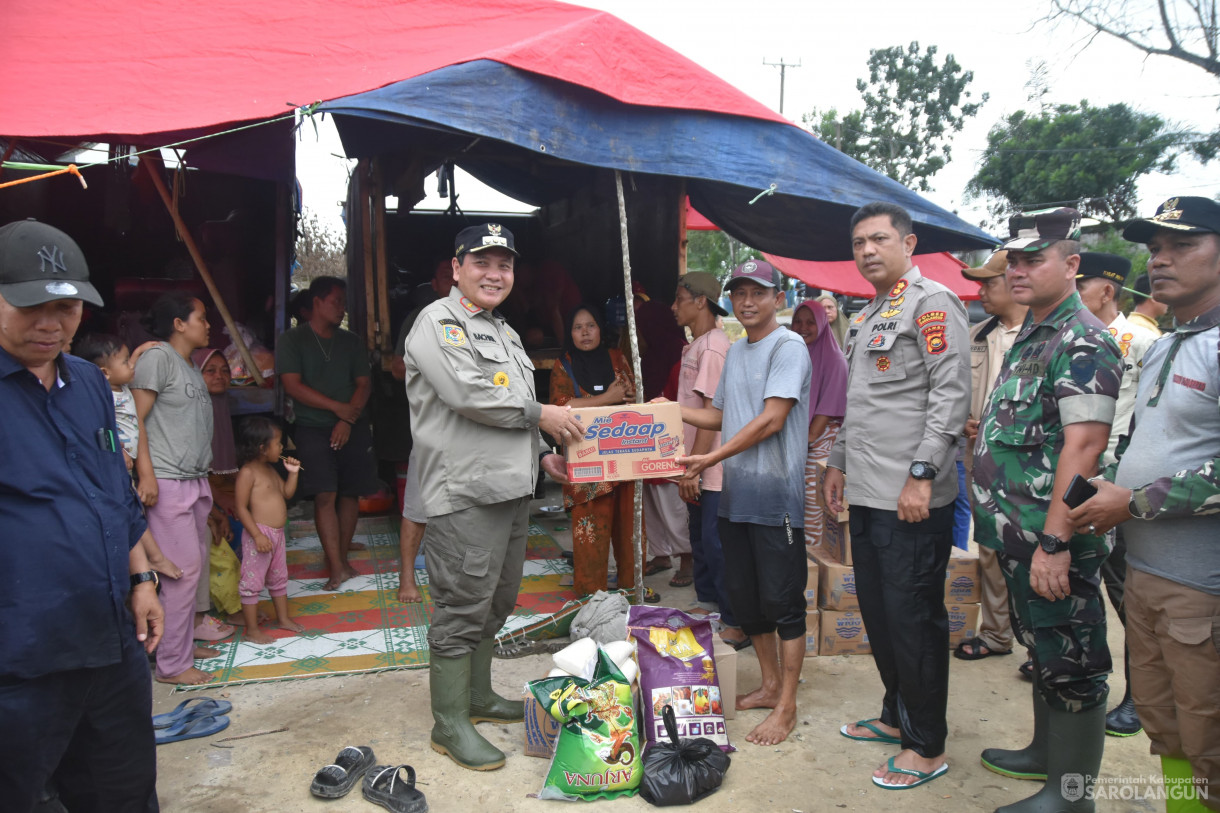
pixel 637 537
pixel 682 234
pixel 152 163
pixel 381 280
pixel 366 235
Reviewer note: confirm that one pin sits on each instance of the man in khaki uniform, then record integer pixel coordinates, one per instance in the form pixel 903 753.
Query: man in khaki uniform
pixel 989 341
pixel 470 385
pixel 908 397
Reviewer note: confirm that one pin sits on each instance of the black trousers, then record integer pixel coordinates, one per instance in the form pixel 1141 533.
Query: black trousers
pixel 88 729
pixel 1114 574
pixel 900 581
pixel 764 576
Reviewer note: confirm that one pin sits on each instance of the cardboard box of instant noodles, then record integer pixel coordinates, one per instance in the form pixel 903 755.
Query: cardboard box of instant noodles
pixel 628 442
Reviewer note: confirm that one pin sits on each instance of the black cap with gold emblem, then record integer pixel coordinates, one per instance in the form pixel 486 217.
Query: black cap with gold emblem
pixel 1110 267
pixel 473 239
pixel 1192 215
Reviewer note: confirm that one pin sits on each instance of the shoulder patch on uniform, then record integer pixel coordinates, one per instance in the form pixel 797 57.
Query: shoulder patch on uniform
pixel 470 306
pixel 899 286
pixel 450 332
pixel 930 317
pixel 1083 367
pixel 859 318
pixel 934 339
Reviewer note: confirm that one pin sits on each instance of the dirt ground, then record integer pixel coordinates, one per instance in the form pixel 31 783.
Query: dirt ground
pixel 815 770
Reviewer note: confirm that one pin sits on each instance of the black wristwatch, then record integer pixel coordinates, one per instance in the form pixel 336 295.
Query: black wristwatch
pixel 146 576
pixel 923 470
pixel 1052 544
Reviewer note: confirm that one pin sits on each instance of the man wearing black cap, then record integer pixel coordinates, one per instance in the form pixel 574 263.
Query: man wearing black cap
pixel 80 597
pixel 1047 421
pixel 1164 492
pixel 1102 277
pixel 762 409
pixel 475 417
pixel 908 396
pixel 990 341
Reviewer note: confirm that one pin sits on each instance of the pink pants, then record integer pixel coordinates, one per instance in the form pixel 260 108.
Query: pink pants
pixel 179 523
pixel 259 569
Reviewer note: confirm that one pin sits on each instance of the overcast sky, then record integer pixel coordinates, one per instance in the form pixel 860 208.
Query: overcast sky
pixel 994 39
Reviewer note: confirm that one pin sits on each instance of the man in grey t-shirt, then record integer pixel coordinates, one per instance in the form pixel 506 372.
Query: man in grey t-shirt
pixel 761 407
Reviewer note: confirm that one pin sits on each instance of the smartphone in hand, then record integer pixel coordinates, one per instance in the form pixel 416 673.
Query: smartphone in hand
pixel 1078 492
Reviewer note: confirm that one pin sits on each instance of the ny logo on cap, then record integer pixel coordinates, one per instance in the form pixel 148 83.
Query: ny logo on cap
pixel 53 256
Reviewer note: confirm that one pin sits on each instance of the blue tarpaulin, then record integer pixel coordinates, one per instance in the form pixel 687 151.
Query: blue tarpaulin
pixel 559 130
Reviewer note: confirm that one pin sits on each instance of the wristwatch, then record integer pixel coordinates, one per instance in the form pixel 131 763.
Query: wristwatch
pixel 1052 544
pixel 923 470
pixel 146 576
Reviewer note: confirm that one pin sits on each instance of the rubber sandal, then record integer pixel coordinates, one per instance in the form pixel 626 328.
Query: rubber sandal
pixel 338 778
pixel 921 777
pixel 977 644
pixel 744 643
pixel 383 786
pixel 212 629
pixel 881 735
pixel 653 568
pixel 191 729
pixel 651 596
pixel 1027 670
pixel 190 709
pixel 681 579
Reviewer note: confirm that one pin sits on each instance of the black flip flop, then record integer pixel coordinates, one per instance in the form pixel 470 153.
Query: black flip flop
pixel 976 644
pixel 739 645
pixel 1027 670
pixel 383 786
pixel 338 778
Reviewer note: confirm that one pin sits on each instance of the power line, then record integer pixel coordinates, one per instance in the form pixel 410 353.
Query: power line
pixel 783 66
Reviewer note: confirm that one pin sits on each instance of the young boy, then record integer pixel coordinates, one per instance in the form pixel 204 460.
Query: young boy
pixel 114 360
pixel 263 510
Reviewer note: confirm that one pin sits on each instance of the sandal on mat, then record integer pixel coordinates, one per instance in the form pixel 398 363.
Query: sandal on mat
pixel 921 777
pixel 190 709
pixel 335 780
pixel 868 724
pixel 383 786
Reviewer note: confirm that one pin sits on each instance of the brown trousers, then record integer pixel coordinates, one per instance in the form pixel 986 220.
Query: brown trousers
pixel 995 628
pixel 1173 635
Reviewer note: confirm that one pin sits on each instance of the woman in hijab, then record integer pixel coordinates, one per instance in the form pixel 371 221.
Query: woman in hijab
pixel 591 375
pixel 836 317
pixel 827 403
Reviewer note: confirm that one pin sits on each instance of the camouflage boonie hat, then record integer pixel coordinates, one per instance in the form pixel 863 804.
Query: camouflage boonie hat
pixel 1034 231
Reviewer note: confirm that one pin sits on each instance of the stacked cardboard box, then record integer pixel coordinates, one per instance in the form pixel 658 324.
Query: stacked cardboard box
pixel 963 592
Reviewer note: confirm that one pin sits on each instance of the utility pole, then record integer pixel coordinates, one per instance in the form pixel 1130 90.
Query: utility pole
pixel 783 66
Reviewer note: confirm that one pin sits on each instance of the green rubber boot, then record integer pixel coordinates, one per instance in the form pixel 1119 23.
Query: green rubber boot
pixel 1074 742
pixel 485 705
pixel 1181 792
pixel 453 734
pixel 1030 761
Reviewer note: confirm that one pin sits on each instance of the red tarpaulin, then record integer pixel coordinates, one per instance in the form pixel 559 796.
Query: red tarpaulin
pixel 79 67
pixel 844 278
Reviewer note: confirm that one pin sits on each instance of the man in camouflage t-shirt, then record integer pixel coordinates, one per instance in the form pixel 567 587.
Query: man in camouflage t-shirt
pixel 1047 420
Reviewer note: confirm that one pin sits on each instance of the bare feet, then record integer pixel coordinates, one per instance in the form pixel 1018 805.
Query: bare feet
pixel 860 732
pixel 776 728
pixel 912 762
pixel 290 624
pixel 205 652
pixel 239 620
pixel 334 582
pixel 165 567
pixel 764 697
pixel 408 593
pixel 354 545
pixel 254 635
pixel 191 677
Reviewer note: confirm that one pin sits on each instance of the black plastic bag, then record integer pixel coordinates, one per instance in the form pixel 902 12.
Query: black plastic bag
pixel 680 772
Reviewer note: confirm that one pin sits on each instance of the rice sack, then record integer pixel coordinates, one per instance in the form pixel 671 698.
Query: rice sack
pixel 597 755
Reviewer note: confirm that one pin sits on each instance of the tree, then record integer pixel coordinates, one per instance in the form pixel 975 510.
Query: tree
pixel 1182 29
pixel 319 250
pixel 912 107
pixel 1079 155
pixel 716 252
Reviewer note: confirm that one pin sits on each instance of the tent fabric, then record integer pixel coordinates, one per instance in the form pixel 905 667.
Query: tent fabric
pixel 79 68
pixel 727 160
pixel 844 278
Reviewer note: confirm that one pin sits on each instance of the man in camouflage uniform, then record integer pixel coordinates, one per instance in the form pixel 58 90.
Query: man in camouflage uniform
pixel 471 389
pixel 1165 495
pixel 1047 420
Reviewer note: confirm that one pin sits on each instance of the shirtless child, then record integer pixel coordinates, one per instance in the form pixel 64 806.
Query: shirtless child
pixel 263 512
